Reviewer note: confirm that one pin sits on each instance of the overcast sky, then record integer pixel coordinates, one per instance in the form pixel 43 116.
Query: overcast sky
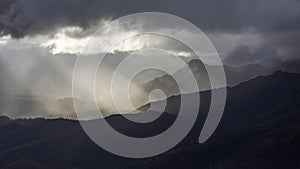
pixel 253 29
pixel 40 39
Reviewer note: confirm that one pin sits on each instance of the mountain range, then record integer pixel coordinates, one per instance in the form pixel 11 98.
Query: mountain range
pixel 259 129
pixel 24 103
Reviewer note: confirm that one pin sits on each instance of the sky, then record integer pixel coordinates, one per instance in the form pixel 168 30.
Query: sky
pixel 274 24
pixel 40 39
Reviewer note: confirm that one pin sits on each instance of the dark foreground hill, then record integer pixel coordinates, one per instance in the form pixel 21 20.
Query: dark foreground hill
pixel 260 129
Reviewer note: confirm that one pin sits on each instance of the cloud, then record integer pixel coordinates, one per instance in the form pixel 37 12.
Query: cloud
pixel 38 38
pixel 28 17
pixel 287 44
pixel 35 70
pixel 245 55
pixel 275 21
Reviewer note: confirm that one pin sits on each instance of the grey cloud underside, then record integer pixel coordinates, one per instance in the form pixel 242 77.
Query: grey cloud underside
pixel 275 21
pixel 23 17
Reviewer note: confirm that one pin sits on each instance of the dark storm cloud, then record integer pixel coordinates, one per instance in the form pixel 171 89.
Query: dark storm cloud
pixel 286 42
pixel 281 46
pixel 251 55
pixel 22 17
pixel 275 21
pixel 30 17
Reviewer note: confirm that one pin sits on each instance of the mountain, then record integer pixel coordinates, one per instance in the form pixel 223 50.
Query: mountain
pixel 234 75
pixel 260 129
pixel 32 103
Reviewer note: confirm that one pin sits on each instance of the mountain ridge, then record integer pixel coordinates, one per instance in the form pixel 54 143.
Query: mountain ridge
pixel 258 127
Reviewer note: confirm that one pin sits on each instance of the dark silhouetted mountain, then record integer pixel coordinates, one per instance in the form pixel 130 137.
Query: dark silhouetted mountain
pixel 260 129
